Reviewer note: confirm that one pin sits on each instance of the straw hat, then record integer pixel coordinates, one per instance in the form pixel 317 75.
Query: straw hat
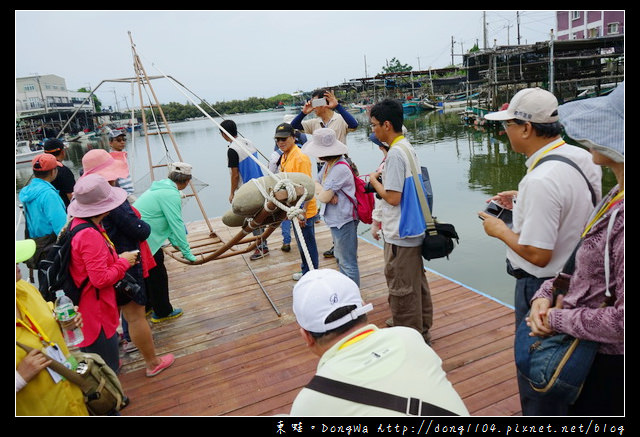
pixel 324 143
pixel 92 196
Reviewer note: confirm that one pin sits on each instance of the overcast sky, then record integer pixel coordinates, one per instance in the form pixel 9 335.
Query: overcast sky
pixel 228 55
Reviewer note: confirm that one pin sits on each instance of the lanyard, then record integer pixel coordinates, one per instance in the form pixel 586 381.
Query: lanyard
pixel 395 140
pixel 31 325
pixel 549 149
pixel 356 338
pixel 606 207
pixel 328 169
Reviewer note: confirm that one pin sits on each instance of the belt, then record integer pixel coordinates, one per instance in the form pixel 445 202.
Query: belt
pixel 518 273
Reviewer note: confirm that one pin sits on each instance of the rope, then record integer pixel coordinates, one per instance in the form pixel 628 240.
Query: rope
pixel 294 212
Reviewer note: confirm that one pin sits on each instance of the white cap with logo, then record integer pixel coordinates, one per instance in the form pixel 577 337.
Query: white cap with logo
pixel 319 293
pixel 534 105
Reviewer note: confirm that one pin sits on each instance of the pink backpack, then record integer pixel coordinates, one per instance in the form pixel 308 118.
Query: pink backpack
pixel 364 202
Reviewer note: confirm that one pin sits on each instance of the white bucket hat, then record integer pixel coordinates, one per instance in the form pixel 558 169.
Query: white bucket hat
pixel 319 293
pixel 597 123
pixel 324 143
pixel 534 105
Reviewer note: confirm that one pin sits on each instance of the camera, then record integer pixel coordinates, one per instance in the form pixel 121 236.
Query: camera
pixel 127 286
pixel 319 102
pixel 368 188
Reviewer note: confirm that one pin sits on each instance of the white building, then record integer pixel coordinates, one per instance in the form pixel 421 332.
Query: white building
pixel 47 93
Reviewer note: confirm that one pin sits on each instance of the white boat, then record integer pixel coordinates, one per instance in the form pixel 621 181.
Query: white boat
pixel 24 151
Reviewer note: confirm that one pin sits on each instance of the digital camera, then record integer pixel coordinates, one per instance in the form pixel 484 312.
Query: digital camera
pixel 127 286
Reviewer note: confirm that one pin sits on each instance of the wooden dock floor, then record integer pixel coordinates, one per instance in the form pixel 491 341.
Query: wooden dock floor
pixel 235 356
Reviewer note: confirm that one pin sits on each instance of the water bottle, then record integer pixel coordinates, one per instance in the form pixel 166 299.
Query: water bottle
pixel 65 311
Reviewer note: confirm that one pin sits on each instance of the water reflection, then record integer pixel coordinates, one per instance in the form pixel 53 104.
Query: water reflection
pixel 466 164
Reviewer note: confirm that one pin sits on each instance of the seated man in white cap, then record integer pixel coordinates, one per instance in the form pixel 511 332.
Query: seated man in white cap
pixel 404 371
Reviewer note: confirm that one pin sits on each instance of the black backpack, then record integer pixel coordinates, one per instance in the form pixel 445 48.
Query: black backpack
pixel 53 271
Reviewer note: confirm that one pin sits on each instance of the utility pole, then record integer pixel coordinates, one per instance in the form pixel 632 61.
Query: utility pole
pixel 452 43
pixel 518 25
pixel 484 29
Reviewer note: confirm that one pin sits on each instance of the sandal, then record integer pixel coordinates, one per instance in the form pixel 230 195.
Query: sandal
pixel 165 362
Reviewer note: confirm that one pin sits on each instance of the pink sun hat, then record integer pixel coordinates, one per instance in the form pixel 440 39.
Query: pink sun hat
pixel 99 161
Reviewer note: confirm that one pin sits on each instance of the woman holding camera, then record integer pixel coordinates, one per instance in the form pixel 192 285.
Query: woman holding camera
pixel 128 233
pixel 94 256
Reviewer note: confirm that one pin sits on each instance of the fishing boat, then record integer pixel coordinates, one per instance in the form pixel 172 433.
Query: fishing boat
pixel 26 150
pixel 458 100
pixel 411 107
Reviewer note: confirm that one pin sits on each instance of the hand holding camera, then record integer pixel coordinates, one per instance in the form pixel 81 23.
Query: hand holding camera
pixel 132 256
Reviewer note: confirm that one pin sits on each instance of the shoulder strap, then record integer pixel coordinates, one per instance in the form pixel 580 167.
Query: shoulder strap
pixel 353 201
pixel 61 369
pixel 574 165
pixel 362 395
pixel 431 226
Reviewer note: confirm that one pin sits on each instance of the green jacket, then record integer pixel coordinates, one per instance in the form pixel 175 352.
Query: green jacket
pixel 161 207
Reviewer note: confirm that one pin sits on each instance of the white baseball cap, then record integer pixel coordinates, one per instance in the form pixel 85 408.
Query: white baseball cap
pixel 319 293
pixel 534 105
pixel 179 167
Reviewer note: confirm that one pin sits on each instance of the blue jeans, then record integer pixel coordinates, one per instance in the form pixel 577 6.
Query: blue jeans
pixel 345 241
pixel 262 244
pixel 309 235
pixel 531 403
pixel 285 226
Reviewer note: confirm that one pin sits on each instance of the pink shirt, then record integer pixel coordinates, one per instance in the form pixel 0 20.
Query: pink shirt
pixel 93 255
pixel 581 315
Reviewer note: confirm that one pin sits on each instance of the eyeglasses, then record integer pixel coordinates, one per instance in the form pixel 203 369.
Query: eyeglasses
pixel 507 123
pixel 282 139
pixel 120 139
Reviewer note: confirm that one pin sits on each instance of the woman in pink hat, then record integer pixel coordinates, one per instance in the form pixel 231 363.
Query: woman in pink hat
pixel 93 255
pixel 128 232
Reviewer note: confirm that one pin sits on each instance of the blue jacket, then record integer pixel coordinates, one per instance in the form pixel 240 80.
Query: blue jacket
pixel 45 212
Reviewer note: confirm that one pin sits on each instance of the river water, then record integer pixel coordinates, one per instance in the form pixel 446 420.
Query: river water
pixel 466 166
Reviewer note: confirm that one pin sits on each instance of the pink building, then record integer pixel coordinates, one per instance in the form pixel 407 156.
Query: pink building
pixel 588 24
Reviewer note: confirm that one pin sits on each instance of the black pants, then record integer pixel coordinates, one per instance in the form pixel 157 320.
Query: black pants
pixel 157 285
pixel 603 390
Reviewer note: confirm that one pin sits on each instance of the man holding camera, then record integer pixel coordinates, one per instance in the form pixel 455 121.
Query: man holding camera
pixel 329 114
pixel 403 228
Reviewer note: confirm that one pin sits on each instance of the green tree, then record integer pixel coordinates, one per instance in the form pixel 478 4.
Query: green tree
pixel 96 102
pixel 394 66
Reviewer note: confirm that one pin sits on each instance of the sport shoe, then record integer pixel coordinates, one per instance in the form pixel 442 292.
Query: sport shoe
pixel 286 248
pixel 165 362
pixel 328 253
pixel 297 276
pixel 128 347
pixel 177 312
pixel 259 253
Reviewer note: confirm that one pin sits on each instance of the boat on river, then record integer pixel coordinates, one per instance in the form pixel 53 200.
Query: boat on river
pixel 458 100
pixel 26 150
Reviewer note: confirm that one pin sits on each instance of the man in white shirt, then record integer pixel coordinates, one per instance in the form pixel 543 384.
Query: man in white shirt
pixel 551 206
pixel 395 361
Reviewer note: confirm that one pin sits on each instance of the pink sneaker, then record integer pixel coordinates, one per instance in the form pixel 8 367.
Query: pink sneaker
pixel 165 362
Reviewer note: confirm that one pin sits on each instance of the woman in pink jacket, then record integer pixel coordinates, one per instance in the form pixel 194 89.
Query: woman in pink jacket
pixel 94 256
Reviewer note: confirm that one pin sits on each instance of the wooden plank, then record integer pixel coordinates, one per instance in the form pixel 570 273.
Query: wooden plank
pixel 236 356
